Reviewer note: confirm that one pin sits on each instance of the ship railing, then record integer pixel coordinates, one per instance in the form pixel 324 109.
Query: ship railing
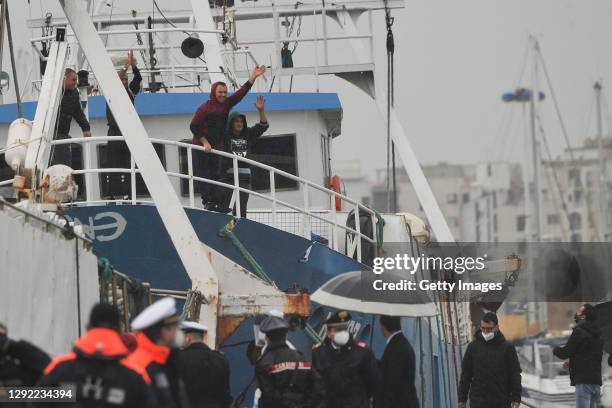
pixel 354 236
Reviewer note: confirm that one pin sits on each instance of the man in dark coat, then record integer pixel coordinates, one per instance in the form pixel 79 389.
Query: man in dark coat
pixel 239 140
pixel 208 127
pixel 117 152
pixel 584 349
pixel 348 367
pixel 490 370
pixel 205 372
pixel 70 107
pixel 286 379
pixel 397 366
pixel 21 363
pixel 96 369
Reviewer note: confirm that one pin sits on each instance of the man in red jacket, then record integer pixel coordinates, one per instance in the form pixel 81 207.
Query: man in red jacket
pixel 208 128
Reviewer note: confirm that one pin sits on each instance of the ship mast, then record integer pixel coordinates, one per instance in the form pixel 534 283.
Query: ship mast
pixel 603 190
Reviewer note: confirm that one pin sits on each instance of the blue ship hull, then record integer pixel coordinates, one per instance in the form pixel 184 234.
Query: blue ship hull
pixel 135 241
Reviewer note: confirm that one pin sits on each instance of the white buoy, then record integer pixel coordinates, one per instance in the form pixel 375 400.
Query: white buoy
pixel 17 142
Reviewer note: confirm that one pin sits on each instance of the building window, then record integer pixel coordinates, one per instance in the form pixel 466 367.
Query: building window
pixel 575 221
pixel 494 222
pixel 553 219
pixel 466 198
pixel 279 152
pixel 451 198
pixel 521 222
pixel 141 187
pixel 573 177
pixel 577 197
pixel 494 195
pixel 489 170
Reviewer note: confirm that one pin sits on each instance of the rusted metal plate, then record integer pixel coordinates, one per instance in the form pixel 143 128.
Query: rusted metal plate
pixel 226 326
pixel 298 305
pixel 250 305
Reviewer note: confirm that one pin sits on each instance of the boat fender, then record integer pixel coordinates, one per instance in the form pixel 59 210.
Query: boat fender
pixel 335 185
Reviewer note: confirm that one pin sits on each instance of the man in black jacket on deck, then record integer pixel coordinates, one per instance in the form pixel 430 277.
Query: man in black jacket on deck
pixel 70 107
pixel 117 152
pixel 584 349
pixel 397 367
pixel 490 370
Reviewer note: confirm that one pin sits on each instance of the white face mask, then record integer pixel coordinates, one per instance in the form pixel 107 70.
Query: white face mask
pixel 261 339
pixel 341 338
pixel 488 336
pixel 179 340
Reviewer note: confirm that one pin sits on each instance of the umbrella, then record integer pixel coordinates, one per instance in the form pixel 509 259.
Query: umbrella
pixel 355 291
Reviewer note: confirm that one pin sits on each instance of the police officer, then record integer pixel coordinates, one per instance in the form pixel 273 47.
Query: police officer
pixel 286 379
pixel 348 367
pixel 154 357
pixel 96 369
pixel 211 390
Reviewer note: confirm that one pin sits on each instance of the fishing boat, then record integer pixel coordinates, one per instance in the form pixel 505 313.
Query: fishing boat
pixel 301 229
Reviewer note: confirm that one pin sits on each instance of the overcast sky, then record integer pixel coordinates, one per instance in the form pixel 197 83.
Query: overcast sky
pixel 454 59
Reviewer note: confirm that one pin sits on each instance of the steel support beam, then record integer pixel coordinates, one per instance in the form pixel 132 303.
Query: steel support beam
pixel 47 108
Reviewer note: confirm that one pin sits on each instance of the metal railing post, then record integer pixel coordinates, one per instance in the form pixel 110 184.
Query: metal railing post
pixel 306 218
pixel 371 25
pixel 358 230
pixel 273 195
pixel 334 236
pixel 190 174
pixel 237 186
pixel 316 46
pixel 132 178
pixel 375 233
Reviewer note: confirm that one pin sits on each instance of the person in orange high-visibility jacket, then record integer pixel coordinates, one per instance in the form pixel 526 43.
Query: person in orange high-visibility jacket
pixel 96 368
pixel 154 357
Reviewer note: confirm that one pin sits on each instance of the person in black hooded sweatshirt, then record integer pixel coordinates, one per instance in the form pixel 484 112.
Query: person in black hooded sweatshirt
pixel 239 140
pixel 490 370
pixel 584 349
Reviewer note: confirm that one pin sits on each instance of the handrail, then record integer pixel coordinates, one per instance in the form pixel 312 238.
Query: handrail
pixel 224 154
pixel 237 189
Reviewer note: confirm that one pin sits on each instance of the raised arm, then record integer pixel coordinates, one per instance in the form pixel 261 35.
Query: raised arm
pixel 570 347
pixel 244 89
pixel 259 128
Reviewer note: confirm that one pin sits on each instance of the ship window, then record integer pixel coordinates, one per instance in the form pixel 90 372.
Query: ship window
pixel 6 173
pixel 141 188
pixel 278 152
